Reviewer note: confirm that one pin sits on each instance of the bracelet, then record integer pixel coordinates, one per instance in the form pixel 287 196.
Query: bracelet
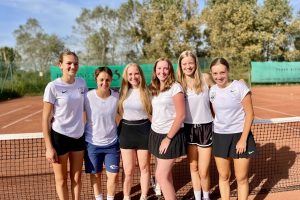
pixel 168 137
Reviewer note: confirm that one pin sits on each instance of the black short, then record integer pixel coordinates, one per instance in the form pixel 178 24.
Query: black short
pixel 224 145
pixel 64 144
pixel 134 134
pixel 199 134
pixel 176 148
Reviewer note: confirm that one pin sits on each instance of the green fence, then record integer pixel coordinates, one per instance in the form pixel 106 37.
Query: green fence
pixel 87 73
pixel 275 72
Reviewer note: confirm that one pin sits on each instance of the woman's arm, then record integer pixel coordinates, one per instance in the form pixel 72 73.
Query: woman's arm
pixel 249 116
pixel 51 155
pixel 208 79
pixel 179 105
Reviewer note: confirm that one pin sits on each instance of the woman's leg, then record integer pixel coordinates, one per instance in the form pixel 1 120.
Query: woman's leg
pixel 144 164
pixel 192 155
pixel 111 183
pixel 61 176
pixel 223 166
pixel 164 177
pixel 96 183
pixel 76 162
pixel 129 160
pixel 204 158
pixel 241 168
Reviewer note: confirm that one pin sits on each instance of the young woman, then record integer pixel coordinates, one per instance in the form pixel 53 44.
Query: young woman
pixel 63 125
pixel 135 109
pixel 198 121
pixel 167 139
pixel 102 146
pixel 232 138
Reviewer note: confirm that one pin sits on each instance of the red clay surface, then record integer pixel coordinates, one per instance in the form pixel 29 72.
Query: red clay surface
pixel 24 115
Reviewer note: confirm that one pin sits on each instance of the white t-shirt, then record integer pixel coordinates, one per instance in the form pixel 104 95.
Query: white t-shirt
pixel 133 107
pixel 197 106
pixel 228 108
pixel 164 110
pixel 101 127
pixel 68 100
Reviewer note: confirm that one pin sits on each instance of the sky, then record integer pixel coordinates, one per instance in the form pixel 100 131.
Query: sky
pixel 55 16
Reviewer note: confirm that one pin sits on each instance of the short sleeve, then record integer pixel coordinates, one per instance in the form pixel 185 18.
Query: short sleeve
pixel 49 93
pixel 84 84
pixel 176 88
pixel 243 88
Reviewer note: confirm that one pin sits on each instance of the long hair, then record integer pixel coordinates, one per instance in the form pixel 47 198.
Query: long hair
pixel 155 83
pixel 198 83
pixel 125 86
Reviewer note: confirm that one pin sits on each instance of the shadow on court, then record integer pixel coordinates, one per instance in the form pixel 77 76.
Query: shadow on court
pixel 269 167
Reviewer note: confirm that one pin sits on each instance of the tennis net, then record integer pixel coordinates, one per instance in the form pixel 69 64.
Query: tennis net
pixel 26 174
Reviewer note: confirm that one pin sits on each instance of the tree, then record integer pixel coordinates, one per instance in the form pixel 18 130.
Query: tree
pixel 276 30
pixel 99 30
pixel 169 27
pixel 230 32
pixel 38 50
pixel 9 59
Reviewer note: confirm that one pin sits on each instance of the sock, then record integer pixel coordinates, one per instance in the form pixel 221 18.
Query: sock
pixel 126 198
pixel 143 197
pixel 206 195
pixel 99 197
pixel 197 195
pixel 110 197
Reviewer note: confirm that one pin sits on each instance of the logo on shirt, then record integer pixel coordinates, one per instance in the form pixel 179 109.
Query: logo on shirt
pixel 81 90
pixel 212 95
pixel 64 91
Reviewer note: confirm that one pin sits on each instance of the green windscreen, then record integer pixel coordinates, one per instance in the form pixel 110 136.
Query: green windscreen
pixel 87 73
pixel 275 72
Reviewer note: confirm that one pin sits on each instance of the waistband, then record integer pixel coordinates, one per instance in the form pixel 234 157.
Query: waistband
pixel 135 122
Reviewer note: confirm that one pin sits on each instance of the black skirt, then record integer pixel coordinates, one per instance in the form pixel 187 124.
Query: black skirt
pixel 176 148
pixel 134 134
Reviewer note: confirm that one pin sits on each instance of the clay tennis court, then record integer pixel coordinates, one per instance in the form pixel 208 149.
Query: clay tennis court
pixel 24 116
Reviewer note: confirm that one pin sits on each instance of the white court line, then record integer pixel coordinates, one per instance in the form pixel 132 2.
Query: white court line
pixel 21 119
pixel 21 136
pixel 15 110
pixel 275 111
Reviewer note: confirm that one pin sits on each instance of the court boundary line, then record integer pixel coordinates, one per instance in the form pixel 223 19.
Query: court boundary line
pixel 275 111
pixel 15 110
pixel 3 127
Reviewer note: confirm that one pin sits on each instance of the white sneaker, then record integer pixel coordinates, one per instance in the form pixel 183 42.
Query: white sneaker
pixel 143 198
pixel 157 190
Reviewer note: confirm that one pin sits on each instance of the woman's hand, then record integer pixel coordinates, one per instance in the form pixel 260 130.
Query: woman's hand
pixel 164 145
pixel 241 146
pixel 51 155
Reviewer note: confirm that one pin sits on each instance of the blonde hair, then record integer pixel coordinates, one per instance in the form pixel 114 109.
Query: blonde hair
pixel 197 87
pixel 155 83
pixel 144 92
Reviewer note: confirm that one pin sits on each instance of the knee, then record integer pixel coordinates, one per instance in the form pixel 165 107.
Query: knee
pixel 145 169
pixel 224 177
pixel 241 180
pixel 128 174
pixel 161 176
pixel 194 168
pixel 204 174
